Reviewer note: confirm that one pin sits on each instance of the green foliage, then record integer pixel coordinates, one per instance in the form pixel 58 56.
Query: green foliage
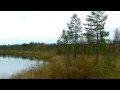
pixel 62 43
pixel 74 29
pixel 35 47
pixel 96 23
pixel 67 42
pixel 95 32
pixel 109 67
pixel 74 32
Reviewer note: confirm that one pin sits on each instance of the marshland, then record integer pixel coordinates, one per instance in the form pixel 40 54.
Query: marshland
pixel 84 50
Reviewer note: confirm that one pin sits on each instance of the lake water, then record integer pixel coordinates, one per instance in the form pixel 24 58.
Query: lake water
pixel 10 65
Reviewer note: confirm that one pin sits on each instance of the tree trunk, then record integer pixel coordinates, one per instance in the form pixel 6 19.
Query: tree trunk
pixel 97 50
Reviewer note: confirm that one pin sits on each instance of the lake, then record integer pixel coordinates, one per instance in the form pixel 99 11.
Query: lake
pixel 10 65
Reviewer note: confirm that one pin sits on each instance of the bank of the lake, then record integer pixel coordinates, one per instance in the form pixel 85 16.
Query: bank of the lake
pixel 45 56
pixel 11 64
pixel 30 54
pixel 58 67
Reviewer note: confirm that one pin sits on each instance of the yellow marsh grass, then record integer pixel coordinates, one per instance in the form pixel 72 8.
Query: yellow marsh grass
pixel 82 68
pixel 58 69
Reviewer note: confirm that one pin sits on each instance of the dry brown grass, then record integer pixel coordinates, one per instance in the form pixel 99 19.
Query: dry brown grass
pixel 58 69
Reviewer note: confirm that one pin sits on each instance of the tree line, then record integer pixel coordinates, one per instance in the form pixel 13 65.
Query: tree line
pixel 29 47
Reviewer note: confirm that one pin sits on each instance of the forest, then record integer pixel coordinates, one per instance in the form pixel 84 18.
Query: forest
pixel 79 53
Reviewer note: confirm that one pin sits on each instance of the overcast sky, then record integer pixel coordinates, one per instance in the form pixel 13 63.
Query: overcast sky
pixel 18 27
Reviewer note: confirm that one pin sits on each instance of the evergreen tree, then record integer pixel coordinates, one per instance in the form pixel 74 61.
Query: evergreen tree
pixel 74 33
pixel 95 32
pixel 62 43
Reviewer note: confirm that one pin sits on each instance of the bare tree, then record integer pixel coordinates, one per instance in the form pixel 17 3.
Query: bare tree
pixel 116 35
pixel 116 39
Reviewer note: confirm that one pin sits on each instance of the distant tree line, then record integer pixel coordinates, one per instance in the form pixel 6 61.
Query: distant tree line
pixel 29 47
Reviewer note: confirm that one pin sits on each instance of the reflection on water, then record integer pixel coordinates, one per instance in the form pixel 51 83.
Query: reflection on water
pixel 16 56
pixel 10 64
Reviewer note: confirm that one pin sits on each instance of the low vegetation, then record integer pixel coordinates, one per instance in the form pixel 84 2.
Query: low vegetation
pixel 79 69
pixel 28 54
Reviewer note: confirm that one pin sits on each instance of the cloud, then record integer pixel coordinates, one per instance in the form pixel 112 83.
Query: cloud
pixel 25 26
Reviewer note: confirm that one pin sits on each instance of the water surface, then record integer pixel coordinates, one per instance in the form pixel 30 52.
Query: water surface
pixel 10 65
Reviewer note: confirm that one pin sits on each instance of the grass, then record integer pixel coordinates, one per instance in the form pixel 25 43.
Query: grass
pixel 29 54
pixel 58 69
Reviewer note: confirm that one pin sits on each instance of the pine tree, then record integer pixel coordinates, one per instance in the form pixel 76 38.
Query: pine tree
pixel 69 39
pixel 74 32
pixel 95 32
